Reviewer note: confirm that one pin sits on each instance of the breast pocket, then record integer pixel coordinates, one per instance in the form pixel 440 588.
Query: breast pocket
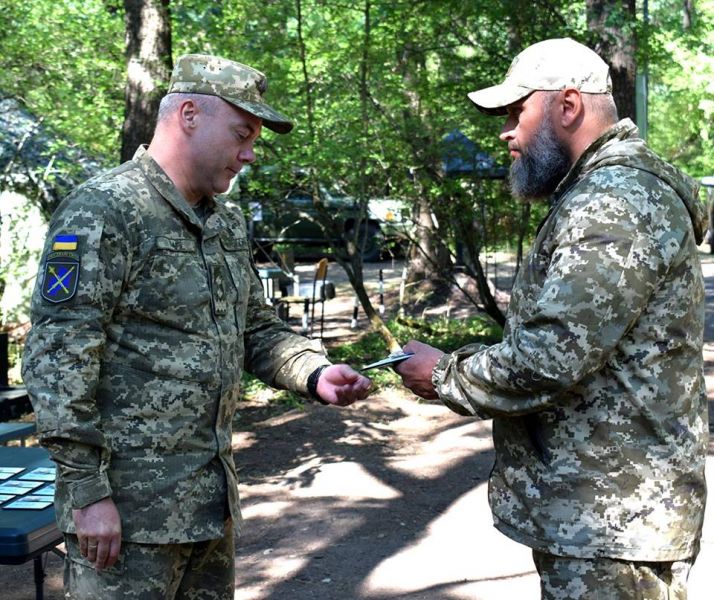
pixel 173 284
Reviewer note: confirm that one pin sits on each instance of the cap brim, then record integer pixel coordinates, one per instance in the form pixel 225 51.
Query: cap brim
pixel 272 119
pixel 494 100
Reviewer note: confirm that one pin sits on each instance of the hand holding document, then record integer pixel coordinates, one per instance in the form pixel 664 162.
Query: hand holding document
pixel 416 373
pixel 393 359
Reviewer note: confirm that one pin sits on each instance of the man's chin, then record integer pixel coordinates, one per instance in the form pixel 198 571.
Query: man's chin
pixel 222 187
pixel 526 186
pixel 525 194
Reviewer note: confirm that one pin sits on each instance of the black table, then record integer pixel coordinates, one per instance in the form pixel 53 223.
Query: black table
pixel 27 534
pixel 14 402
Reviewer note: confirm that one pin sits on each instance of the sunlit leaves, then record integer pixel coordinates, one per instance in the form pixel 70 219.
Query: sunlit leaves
pixel 65 60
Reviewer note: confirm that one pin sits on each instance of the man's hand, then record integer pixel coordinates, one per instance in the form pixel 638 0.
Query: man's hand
pixel 416 371
pixel 342 385
pixel 98 528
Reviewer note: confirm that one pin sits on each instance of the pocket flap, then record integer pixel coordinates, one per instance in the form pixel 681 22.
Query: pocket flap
pixel 176 244
pixel 231 243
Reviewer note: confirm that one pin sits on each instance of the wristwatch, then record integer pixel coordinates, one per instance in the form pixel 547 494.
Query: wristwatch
pixel 312 384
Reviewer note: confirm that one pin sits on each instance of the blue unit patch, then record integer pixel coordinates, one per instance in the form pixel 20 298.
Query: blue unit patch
pixel 61 278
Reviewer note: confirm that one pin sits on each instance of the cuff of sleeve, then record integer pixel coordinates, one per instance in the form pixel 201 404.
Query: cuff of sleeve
pixel 438 380
pixel 310 365
pixel 437 375
pixel 90 490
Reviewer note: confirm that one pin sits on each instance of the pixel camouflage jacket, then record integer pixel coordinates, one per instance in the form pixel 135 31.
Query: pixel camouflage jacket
pixel 143 318
pixel 596 391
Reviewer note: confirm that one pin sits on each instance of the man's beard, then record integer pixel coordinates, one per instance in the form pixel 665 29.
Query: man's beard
pixel 541 166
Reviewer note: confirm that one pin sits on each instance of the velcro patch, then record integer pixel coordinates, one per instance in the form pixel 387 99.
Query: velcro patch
pixel 64 242
pixel 61 278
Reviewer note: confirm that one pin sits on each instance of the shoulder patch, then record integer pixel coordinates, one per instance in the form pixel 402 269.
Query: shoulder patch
pixel 61 276
pixel 65 242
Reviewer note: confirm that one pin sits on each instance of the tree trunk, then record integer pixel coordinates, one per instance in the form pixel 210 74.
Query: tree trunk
pixel 429 259
pixel 309 104
pixel 472 244
pixel 688 14
pixel 353 268
pixel 148 54
pixel 611 24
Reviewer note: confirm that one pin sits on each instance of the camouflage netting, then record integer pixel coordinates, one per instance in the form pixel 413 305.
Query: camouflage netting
pixel 35 162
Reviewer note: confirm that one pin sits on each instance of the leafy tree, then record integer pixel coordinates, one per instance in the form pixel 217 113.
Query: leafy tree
pixel 681 98
pixel 64 61
pixel 374 86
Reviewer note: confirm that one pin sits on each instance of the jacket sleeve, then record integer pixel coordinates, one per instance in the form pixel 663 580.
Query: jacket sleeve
pixel 274 352
pixel 604 266
pixel 63 351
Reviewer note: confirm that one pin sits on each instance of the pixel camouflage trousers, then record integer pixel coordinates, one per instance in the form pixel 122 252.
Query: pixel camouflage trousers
pixel 193 571
pixel 564 578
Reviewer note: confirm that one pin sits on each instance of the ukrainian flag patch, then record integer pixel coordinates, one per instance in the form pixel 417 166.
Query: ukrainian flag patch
pixel 61 272
pixel 65 242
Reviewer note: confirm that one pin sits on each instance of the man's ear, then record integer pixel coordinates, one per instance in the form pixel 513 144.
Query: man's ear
pixel 188 113
pixel 571 107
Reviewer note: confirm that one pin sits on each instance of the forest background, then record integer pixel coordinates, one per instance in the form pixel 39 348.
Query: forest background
pixel 375 87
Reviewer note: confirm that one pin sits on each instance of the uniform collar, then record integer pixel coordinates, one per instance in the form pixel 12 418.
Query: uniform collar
pixel 165 186
pixel 624 129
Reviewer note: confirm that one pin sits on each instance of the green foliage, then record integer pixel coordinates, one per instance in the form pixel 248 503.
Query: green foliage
pixel 65 61
pixel 20 246
pixel 681 99
pixel 253 389
pixel 445 334
pixel 448 334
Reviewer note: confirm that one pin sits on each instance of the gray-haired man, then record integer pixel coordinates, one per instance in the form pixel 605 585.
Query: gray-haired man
pixel 146 309
pixel 596 391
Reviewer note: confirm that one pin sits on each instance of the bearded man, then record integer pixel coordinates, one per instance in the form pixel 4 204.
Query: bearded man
pixel 596 392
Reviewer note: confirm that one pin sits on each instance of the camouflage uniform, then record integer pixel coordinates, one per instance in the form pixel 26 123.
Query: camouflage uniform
pixel 134 368
pixel 193 571
pixel 596 391
pixel 564 578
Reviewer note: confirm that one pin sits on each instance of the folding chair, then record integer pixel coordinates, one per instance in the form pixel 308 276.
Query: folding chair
pixel 321 291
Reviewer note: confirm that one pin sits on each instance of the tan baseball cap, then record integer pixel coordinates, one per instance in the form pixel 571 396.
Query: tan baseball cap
pixel 238 84
pixel 549 65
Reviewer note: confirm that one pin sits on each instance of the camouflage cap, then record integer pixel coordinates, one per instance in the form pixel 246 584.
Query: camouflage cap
pixel 238 84
pixel 549 65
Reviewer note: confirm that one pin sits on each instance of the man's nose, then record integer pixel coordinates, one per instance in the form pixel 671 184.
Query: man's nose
pixel 247 155
pixel 508 130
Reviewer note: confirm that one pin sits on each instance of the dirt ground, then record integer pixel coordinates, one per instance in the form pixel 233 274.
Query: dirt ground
pixel 385 499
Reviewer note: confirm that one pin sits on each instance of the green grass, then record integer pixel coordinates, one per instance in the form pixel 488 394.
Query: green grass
pixel 252 388
pixel 447 335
